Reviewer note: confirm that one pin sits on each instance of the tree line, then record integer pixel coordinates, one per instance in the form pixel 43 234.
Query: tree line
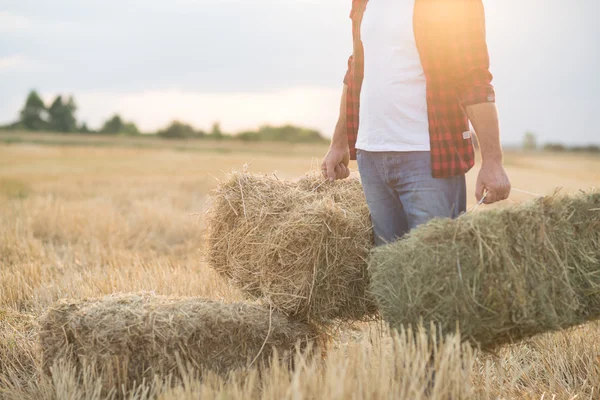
pixel 530 143
pixel 60 117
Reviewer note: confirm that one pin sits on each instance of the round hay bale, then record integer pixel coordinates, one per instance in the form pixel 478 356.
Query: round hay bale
pixel 300 246
pixel 130 337
pixel 502 275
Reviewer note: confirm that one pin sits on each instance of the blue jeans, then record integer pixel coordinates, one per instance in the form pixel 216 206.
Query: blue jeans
pixel 402 194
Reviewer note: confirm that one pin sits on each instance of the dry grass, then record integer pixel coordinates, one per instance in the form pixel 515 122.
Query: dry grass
pixel 88 222
pixel 301 246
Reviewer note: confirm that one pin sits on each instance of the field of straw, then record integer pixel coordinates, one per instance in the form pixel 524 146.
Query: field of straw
pixel 86 220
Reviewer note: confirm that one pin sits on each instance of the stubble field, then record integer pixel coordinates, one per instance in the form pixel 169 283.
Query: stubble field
pixel 89 219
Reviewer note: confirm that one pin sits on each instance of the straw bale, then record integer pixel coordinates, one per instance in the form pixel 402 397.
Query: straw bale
pixel 300 246
pixel 126 338
pixel 502 275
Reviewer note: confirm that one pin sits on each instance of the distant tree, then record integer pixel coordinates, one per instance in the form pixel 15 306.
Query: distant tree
pixel 529 141
pixel 290 133
pixel 116 125
pixel 71 108
pixel 32 116
pixel 83 128
pixel 555 147
pixel 178 130
pixel 14 126
pixel 286 133
pixel 216 132
pixel 129 128
pixel 248 136
pixel 55 113
pixel 112 125
pixel 593 148
pixel 61 115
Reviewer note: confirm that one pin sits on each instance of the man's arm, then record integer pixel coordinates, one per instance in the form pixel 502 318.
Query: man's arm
pixel 335 164
pixel 492 177
pixel 476 95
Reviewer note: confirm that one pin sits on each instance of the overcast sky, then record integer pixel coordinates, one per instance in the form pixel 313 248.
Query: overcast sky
pixel 249 62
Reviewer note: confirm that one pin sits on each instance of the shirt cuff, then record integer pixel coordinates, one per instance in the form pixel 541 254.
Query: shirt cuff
pixel 478 94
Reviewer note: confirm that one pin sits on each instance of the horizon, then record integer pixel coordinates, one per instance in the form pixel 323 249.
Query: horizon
pixel 255 63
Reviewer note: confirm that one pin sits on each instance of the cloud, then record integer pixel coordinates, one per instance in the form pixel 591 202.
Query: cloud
pixel 12 62
pixel 19 24
pixel 12 22
pixel 315 107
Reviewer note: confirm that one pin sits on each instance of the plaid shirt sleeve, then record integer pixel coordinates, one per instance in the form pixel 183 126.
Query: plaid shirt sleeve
pixel 473 78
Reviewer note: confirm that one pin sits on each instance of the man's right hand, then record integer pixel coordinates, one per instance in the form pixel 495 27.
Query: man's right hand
pixel 335 163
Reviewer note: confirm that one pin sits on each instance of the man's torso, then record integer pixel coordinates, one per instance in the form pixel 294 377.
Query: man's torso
pixel 450 37
pixel 393 105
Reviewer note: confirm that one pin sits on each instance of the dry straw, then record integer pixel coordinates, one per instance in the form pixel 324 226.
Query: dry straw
pixel 301 246
pixel 502 275
pixel 17 344
pixel 129 338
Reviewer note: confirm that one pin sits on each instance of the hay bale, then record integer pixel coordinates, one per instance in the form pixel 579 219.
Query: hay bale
pixel 503 274
pixel 301 246
pixel 129 337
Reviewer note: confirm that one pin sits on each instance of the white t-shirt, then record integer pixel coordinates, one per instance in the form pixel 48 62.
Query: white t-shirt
pixel 393 103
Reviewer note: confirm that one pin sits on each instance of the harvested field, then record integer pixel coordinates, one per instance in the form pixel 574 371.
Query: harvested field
pixel 503 275
pixel 299 246
pixel 88 222
pixel 18 335
pixel 127 339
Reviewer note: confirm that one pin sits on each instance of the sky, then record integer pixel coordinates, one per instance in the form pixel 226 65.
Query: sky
pixel 250 62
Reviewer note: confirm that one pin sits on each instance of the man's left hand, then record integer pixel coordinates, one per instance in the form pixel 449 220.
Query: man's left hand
pixel 493 179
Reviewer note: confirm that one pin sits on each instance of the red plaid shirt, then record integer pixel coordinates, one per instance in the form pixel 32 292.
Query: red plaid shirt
pixel 450 37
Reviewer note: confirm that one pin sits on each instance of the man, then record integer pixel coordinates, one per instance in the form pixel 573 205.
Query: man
pixel 418 74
